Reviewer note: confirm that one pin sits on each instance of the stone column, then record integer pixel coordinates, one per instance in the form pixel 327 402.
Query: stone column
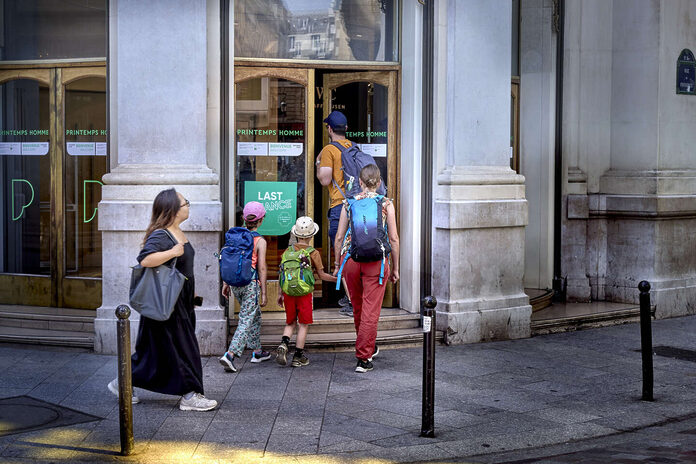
pixel 480 209
pixel 648 197
pixel 157 85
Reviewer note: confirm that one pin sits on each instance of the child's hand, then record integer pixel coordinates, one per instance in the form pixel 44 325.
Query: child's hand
pixel 335 272
pixel 225 290
pixel 280 300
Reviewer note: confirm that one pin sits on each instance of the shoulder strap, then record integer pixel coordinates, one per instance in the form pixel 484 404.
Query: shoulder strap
pixel 175 241
pixel 339 146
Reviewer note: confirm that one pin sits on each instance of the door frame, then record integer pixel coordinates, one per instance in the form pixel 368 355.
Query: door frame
pixel 388 79
pixel 304 77
pixel 56 289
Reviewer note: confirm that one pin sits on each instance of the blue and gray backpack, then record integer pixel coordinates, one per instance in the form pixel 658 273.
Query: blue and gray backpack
pixel 369 240
pixel 235 257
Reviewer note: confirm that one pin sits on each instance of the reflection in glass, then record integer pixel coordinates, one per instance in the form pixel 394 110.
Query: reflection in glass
pixel 52 29
pixel 343 30
pixel 25 176
pixel 270 110
pixel 85 164
pixel 365 105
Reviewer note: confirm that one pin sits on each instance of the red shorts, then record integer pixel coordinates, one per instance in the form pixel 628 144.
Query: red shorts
pixel 298 308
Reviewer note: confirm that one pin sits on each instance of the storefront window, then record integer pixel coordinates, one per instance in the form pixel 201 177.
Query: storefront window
pixel 85 164
pixel 271 141
pixel 25 209
pixel 52 29
pixel 349 30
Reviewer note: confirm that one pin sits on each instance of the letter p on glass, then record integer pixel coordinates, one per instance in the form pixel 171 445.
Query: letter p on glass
pixel 26 204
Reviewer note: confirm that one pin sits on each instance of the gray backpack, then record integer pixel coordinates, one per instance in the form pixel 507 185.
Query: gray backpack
pixel 353 160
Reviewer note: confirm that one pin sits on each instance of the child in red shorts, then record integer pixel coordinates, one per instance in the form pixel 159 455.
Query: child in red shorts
pixel 298 309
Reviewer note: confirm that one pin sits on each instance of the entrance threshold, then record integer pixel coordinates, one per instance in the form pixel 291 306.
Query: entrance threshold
pixel 566 317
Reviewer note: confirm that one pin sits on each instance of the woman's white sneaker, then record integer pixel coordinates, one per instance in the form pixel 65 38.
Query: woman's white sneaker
pixel 113 388
pixel 197 402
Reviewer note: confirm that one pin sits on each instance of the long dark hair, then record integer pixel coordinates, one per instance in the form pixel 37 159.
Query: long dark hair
pixel 164 210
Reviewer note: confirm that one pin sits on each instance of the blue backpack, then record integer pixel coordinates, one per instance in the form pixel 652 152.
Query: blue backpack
pixel 369 240
pixel 235 257
pixel 353 160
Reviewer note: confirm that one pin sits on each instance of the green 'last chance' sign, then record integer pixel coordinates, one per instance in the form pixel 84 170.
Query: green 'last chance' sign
pixel 280 201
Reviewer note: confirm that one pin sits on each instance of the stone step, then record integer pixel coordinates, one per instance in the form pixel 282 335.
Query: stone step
pixel 46 337
pixel 345 341
pixel 332 331
pixel 44 318
pixel 330 321
pixel 586 321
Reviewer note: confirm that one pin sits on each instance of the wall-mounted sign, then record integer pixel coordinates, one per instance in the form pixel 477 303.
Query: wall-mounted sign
pixel 686 73
pixel 376 150
pixel 280 201
pixel 81 148
pixel 252 148
pixel 34 148
pixel 10 148
pixel 23 148
pixel 285 149
pixel 269 149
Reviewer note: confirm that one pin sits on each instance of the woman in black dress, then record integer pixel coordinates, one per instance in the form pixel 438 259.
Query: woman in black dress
pixel 167 358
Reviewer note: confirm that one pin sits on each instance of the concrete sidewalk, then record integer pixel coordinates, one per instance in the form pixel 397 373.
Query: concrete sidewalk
pixel 491 398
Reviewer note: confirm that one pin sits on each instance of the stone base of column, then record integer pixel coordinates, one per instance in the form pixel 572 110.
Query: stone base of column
pixel 124 214
pixel 478 254
pixel 650 217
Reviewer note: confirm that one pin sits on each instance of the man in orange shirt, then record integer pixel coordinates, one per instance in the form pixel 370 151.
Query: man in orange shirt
pixel 330 174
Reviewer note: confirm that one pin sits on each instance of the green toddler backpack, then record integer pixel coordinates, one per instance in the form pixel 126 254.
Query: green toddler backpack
pixel 296 276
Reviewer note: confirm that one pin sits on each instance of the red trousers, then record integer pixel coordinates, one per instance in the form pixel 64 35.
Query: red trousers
pixel 366 295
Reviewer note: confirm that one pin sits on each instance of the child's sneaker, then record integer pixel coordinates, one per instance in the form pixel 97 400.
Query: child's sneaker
pixel 260 357
pixel 282 356
pixel 363 366
pixel 227 361
pixel 299 361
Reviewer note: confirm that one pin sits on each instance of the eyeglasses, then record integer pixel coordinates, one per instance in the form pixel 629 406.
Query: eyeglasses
pixel 186 203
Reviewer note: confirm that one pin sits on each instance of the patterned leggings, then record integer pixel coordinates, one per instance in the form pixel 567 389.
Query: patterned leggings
pixel 248 333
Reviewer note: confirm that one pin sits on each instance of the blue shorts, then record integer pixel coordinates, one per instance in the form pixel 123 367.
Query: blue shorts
pixel 334 217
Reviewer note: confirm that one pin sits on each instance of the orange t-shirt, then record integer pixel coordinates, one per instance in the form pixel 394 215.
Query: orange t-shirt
pixel 331 158
pixel 254 255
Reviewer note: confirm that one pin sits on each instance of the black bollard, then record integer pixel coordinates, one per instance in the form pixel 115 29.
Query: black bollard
pixel 646 340
pixel 125 382
pixel 428 411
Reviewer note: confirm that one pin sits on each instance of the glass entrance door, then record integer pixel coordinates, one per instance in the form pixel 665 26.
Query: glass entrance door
pixel 52 158
pixel 273 117
pixel 369 101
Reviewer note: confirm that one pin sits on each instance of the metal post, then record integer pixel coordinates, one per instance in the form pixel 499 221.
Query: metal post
pixel 646 340
pixel 125 382
pixel 428 412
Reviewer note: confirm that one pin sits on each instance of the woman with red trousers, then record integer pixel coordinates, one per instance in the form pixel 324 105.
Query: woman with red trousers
pixel 367 281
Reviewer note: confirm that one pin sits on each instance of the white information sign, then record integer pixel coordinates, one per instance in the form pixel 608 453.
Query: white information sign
pixel 100 149
pixel 285 149
pixel 427 323
pixel 252 148
pixel 376 150
pixel 34 148
pixel 81 148
pixel 10 148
